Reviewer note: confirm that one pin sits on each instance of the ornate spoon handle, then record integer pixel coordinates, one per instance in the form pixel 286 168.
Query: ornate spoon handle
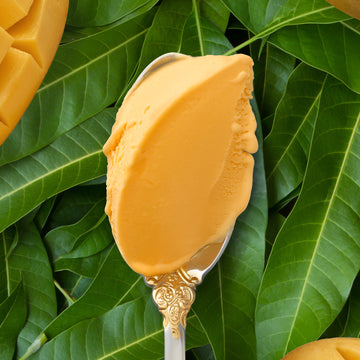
pixel 174 293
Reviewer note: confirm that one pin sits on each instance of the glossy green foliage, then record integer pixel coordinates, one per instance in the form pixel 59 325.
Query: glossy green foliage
pixel 290 272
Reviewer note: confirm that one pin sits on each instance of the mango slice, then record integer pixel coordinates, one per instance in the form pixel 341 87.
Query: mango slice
pixel 350 7
pixel 179 160
pixel 11 11
pixel 327 349
pixel 5 42
pixel 27 49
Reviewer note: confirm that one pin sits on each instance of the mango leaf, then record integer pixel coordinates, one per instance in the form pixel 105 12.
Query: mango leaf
pixel 267 16
pixel 216 12
pixel 204 353
pixel 73 158
pixel 74 285
pixel 9 239
pixel 164 35
pixel 13 313
pixel 91 243
pixel 73 204
pixel 333 48
pixel 271 74
pixel 336 329
pixel 72 33
pixel 83 266
pixel 352 326
pixel 44 212
pixel 64 239
pixel 202 37
pixel 316 255
pixel 287 146
pixel 130 331
pixel 276 221
pixel 225 303
pixel 85 77
pixel 101 12
pixel 29 261
pixel 114 284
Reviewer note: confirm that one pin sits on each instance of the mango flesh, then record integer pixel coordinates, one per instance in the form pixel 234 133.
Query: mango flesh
pixel 327 349
pixel 30 32
pixel 179 160
pixel 350 7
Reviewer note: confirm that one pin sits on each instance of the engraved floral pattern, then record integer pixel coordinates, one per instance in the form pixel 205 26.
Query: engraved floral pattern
pixel 174 294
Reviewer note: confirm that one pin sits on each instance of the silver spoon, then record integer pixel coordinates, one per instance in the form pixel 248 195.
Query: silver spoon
pixel 174 293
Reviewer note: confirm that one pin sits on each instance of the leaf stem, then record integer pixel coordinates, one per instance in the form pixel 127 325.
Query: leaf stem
pixel 64 292
pixel 247 42
pixel 198 26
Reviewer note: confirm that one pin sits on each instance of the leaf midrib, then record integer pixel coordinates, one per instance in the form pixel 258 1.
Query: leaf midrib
pixel 60 168
pixel 60 79
pixel 105 356
pixel 347 151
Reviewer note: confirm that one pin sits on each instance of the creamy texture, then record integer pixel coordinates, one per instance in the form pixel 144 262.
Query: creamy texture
pixel 26 51
pixel 179 162
pixel 327 349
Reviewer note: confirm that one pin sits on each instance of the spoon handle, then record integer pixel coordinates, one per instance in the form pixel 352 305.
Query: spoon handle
pixel 174 293
pixel 174 348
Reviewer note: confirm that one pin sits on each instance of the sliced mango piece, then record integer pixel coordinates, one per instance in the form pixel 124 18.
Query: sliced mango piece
pixel 11 11
pixel 350 7
pixel 20 76
pixel 342 348
pixel 38 33
pixel 34 40
pixel 5 42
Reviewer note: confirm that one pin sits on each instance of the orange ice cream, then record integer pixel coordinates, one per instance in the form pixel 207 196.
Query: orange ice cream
pixel 327 349
pixel 179 160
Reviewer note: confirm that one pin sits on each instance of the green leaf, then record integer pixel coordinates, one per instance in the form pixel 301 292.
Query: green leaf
pixel 63 239
pixel 92 242
pixel 29 262
pixel 332 48
pixel 84 266
pixel 85 77
pixel 164 35
pixel 73 158
pixel 73 204
pixel 13 313
pixel 114 284
pixel 101 12
pixel 271 74
pixel 216 12
pixel 276 221
pixel 352 326
pixel 287 146
pixel 130 331
pixel 203 353
pixel 43 214
pixel 9 238
pixel 316 255
pixel 270 15
pixel 225 303
pixel 202 37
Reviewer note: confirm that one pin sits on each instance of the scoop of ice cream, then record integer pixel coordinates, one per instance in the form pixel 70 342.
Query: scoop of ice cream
pixel 327 349
pixel 179 160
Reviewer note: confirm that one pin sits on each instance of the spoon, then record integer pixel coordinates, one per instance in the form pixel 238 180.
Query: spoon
pixel 174 292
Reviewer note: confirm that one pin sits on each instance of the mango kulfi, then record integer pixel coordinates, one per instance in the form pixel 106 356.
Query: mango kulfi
pixel 179 160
